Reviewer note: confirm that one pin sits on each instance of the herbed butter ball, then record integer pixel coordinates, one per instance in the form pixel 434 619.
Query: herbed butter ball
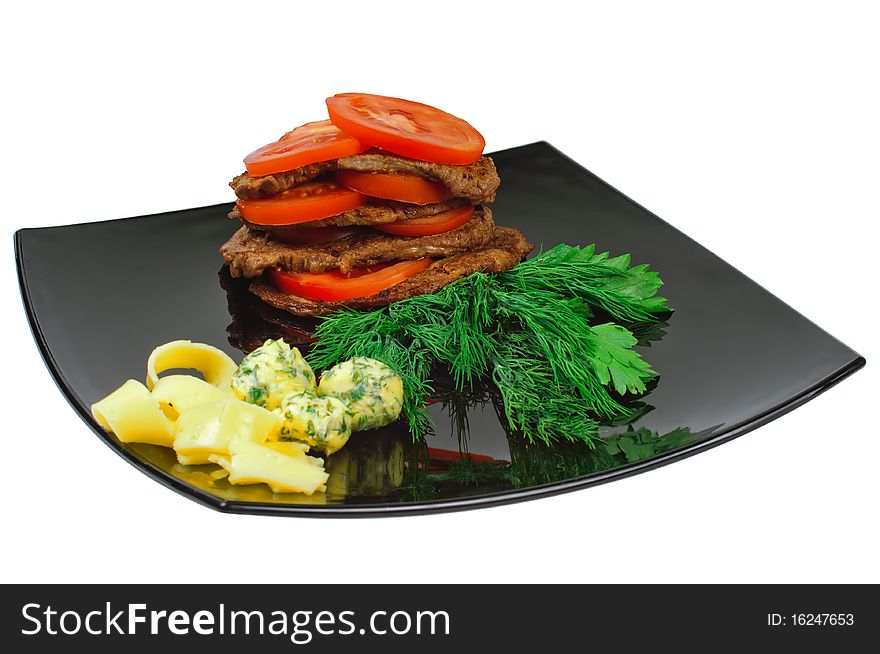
pixel 371 390
pixel 322 422
pixel 271 372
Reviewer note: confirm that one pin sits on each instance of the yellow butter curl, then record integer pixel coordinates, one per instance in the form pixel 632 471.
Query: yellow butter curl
pixel 211 428
pixel 134 416
pixel 180 393
pixel 216 366
pixel 252 463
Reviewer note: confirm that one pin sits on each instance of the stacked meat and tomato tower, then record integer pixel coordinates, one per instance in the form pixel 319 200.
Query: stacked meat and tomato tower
pixel 384 201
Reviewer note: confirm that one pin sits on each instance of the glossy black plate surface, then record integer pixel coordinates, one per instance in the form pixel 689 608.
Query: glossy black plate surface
pixel 100 296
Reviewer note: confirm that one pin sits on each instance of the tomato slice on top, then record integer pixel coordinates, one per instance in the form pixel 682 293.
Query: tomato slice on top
pixel 303 203
pixel 429 225
pixel 407 128
pixel 307 144
pixel 402 187
pixel 335 286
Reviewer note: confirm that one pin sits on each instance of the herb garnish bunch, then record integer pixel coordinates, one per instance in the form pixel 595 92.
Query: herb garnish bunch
pixel 530 330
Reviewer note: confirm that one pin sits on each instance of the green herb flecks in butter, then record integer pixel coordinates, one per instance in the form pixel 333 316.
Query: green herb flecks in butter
pixel 371 390
pixel 322 422
pixel 271 372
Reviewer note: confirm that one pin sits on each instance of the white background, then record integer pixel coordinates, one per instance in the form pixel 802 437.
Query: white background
pixel 753 129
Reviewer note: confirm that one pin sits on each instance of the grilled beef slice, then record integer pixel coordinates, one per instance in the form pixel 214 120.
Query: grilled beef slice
pixel 250 253
pixel 246 186
pixel 369 214
pixel 507 247
pixel 477 181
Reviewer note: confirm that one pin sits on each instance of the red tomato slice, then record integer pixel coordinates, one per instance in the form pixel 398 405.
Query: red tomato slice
pixel 334 286
pixel 402 187
pixel 301 204
pixel 429 225
pixel 307 144
pixel 313 235
pixel 407 128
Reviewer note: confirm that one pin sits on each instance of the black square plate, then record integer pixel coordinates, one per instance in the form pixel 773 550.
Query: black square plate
pixel 100 296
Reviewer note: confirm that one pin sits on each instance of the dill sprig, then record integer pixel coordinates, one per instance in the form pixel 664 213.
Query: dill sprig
pixel 536 403
pixel 528 329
